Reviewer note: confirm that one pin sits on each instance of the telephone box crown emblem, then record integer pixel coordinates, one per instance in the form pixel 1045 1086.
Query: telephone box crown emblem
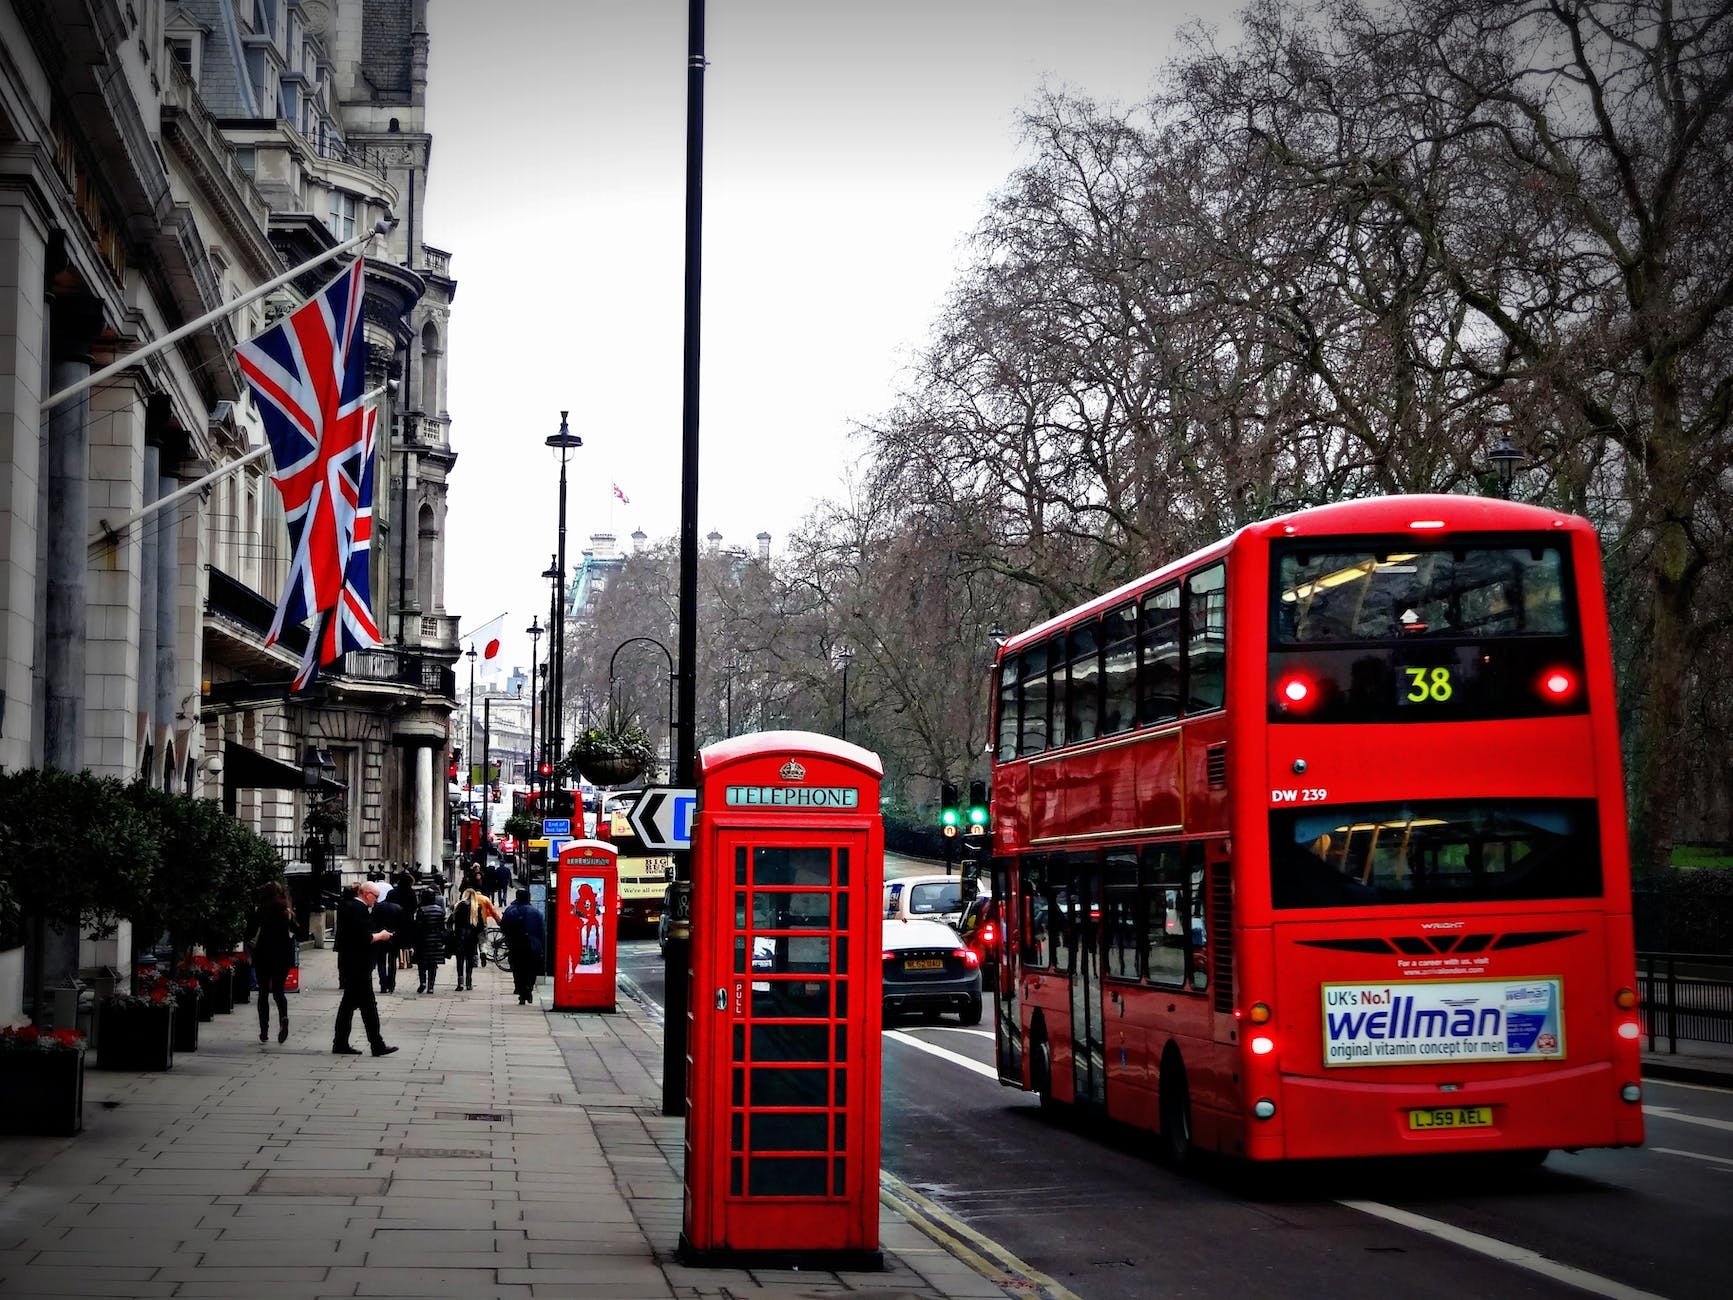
pixel 793 771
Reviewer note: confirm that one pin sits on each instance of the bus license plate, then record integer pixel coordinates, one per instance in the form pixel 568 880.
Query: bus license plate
pixel 924 963
pixel 1451 1117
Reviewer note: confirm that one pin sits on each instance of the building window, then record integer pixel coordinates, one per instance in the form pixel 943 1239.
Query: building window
pixel 342 223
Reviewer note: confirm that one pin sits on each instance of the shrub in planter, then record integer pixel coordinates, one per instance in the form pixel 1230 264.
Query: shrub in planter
pixel 41 1081
pixel 136 1032
pixel 614 754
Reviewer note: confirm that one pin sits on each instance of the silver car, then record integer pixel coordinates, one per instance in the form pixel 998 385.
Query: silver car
pixel 928 968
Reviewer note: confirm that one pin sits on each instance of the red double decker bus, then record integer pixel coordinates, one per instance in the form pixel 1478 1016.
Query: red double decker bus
pixel 1314 843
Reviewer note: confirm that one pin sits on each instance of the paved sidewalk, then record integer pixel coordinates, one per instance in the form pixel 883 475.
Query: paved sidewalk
pixel 504 1151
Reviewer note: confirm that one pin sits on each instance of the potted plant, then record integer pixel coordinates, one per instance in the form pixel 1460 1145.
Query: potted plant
pixel 41 1081
pixel 136 1031
pixel 613 753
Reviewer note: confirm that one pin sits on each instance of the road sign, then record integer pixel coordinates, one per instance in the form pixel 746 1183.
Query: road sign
pixel 663 817
pixel 556 826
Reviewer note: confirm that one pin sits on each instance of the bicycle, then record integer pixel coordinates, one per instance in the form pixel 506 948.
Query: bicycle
pixel 495 949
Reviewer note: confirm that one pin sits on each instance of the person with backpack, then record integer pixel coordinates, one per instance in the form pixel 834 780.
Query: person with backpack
pixel 429 938
pixel 469 918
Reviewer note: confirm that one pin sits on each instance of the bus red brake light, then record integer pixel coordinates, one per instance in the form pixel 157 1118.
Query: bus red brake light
pixel 1263 1045
pixel 1558 685
pixel 1296 693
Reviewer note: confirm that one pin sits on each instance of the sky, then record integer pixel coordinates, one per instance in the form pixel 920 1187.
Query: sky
pixel 849 149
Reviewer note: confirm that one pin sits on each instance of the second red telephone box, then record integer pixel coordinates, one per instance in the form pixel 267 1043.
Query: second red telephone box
pixel 587 894
pixel 782 1101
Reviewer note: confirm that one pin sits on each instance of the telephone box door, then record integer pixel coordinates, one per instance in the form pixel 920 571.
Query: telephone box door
pixel 587 903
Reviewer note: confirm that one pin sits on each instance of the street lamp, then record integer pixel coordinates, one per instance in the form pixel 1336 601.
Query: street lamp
pixel 1506 460
pixel 564 441
pixel 664 649
pixel 556 633
pixel 846 655
pixel 534 631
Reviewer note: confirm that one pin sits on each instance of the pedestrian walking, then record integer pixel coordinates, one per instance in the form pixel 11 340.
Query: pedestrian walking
pixel 429 938
pixel 501 880
pixel 271 948
pixel 469 915
pixel 388 915
pixel 356 940
pixel 525 938
pixel 403 894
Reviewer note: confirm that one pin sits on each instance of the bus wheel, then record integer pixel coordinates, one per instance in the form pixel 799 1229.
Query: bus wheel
pixel 1175 1112
pixel 1041 1071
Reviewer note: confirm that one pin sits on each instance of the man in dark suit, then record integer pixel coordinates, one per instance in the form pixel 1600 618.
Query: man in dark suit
pixel 357 944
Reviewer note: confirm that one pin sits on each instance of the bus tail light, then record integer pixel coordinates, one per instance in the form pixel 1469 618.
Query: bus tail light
pixel 1630 1030
pixel 1259 1014
pixel 1296 693
pixel 1264 1108
pixel 1625 999
pixel 1558 685
pixel 1263 1045
pixel 1631 1092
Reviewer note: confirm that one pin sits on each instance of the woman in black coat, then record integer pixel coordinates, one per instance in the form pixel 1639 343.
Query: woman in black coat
pixel 429 938
pixel 273 947
pixel 403 894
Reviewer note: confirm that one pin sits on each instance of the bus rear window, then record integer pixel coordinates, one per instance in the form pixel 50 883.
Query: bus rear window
pixel 1338 596
pixel 1456 851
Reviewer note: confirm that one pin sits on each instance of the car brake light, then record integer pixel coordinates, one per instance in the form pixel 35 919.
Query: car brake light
pixel 971 959
pixel 888 955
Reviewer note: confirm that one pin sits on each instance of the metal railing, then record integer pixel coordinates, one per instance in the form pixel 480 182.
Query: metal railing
pixel 1685 996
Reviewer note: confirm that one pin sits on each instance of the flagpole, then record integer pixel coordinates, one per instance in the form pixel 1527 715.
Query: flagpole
pixel 131 359
pixel 111 532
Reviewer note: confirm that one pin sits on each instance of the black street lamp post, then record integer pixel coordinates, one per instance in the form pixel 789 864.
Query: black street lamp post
pixel 534 631
pixel 664 649
pixel 556 634
pixel 847 656
pixel 565 440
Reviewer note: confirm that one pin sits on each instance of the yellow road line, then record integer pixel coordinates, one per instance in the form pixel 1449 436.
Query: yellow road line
pixel 986 1256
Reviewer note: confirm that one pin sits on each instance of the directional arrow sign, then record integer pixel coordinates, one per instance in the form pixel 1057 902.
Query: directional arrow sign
pixel 663 817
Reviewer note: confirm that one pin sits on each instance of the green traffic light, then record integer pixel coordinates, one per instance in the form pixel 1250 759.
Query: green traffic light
pixel 948 817
pixel 977 816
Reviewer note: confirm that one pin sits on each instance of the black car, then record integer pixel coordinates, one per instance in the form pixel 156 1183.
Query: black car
pixel 929 969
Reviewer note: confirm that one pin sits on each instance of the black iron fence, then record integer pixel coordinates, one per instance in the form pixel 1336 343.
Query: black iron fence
pixel 1685 996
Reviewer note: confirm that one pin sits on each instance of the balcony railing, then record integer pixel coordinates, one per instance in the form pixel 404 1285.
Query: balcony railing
pixel 429 676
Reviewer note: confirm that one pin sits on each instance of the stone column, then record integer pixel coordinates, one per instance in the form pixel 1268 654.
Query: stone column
pixel 167 554
pixel 23 240
pixel 73 322
pixel 114 571
pixel 423 798
pixel 149 548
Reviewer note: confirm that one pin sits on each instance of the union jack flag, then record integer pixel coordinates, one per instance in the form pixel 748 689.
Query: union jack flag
pixel 306 375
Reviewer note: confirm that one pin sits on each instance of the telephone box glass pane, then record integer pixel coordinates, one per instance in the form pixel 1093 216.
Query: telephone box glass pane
pixel 788 1087
pixel 790 999
pixel 776 1131
pixel 787 910
pixel 842 867
pixel 790 1043
pixel 740 866
pixel 791 866
pixel 787 1175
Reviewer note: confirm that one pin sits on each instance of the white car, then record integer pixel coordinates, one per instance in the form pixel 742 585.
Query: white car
pixel 930 898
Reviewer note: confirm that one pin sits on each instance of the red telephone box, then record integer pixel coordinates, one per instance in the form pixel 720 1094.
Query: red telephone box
pixel 587 894
pixel 782 1091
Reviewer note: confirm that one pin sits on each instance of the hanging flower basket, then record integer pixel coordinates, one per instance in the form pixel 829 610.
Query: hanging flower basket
pixel 607 770
pixel 612 755
pixel 41 1082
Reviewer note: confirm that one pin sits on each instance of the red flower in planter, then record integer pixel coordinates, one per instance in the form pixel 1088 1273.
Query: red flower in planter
pixel 31 1039
pixel 158 993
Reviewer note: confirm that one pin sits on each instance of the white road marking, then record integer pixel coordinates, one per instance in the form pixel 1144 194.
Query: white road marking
pixel 1503 1251
pixel 956 1029
pixel 1694 1155
pixel 1667 1112
pixel 943 1053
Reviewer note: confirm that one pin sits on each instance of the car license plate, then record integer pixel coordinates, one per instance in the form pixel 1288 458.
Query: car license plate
pixel 924 963
pixel 1451 1117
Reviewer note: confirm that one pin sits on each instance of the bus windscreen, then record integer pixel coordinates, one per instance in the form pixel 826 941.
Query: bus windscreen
pixel 1449 851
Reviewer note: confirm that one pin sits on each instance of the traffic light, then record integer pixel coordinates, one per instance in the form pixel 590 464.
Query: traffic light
pixel 977 807
pixel 948 815
pixel 456 760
